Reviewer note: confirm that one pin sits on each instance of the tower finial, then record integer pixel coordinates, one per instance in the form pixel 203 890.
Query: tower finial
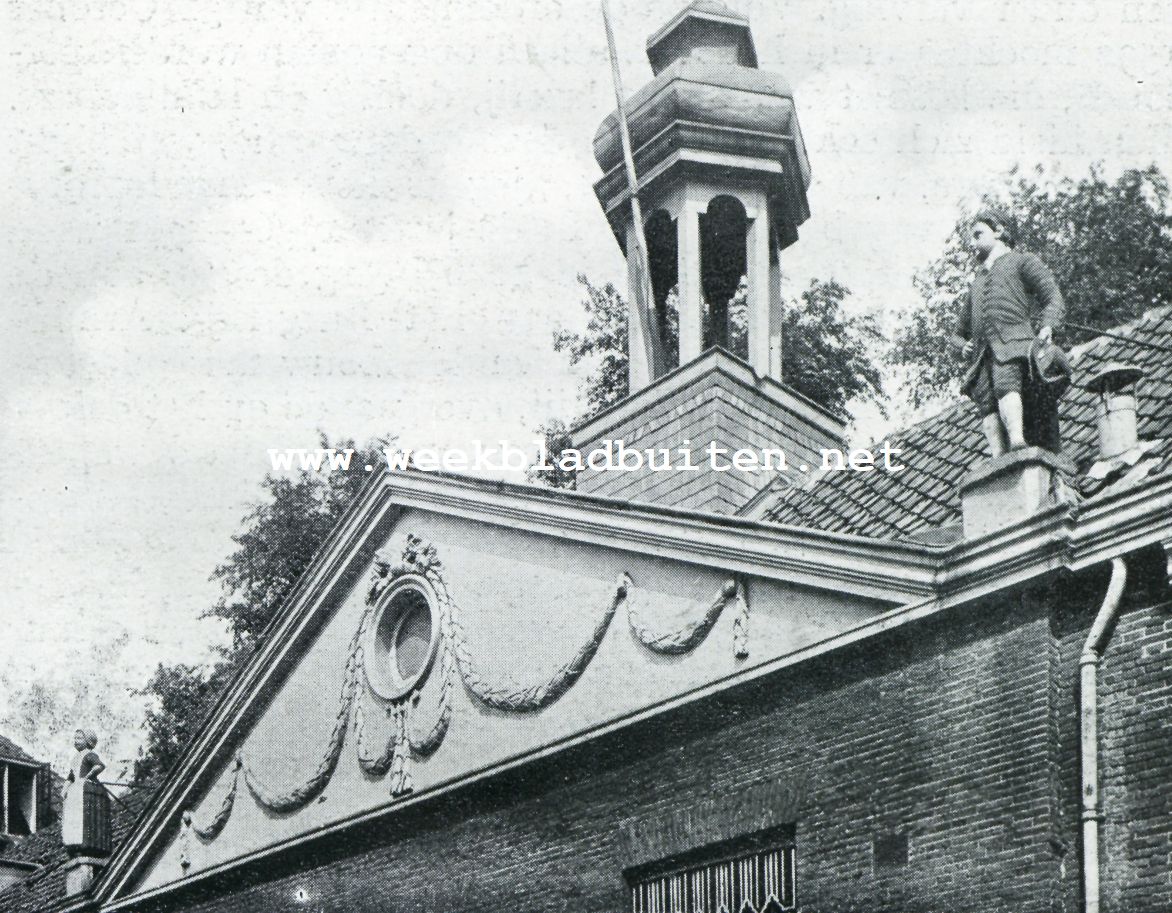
pixel 706 30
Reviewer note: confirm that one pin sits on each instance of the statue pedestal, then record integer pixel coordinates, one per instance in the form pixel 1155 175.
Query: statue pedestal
pixel 1011 488
pixel 80 874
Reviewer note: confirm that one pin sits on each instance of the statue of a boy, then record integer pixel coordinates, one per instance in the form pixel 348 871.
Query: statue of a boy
pixel 995 333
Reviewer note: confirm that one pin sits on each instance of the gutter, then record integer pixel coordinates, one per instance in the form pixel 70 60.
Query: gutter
pixel 1092 656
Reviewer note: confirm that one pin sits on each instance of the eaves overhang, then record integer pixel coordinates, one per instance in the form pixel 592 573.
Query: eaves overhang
pixel 1069 537
pixel 18 762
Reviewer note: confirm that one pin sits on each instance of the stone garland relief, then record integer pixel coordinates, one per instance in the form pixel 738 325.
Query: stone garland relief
pixel 416 731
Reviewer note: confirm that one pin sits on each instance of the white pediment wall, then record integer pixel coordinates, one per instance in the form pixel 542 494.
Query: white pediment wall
pixel 526 607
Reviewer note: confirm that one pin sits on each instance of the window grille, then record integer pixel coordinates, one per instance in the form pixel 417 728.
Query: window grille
pixel 758 882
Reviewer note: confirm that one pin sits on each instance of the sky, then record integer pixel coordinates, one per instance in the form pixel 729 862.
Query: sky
pixel 227 224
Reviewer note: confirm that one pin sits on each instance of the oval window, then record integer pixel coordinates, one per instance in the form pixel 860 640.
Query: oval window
pixel 403 638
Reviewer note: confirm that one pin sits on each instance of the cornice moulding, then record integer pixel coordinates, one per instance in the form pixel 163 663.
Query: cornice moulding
pixel 883 570
pixel 350 546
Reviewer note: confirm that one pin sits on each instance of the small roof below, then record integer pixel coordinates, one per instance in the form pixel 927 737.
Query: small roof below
pixel 44 889
pixel 10 751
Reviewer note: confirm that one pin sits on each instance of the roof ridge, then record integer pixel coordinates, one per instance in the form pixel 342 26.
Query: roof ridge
pixel 1152 314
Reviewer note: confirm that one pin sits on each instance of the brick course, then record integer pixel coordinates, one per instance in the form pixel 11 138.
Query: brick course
pixel 714 409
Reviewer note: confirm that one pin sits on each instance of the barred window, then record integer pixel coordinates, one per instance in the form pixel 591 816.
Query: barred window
pixel 755 882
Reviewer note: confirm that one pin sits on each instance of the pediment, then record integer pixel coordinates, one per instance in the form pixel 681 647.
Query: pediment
pixel 457 649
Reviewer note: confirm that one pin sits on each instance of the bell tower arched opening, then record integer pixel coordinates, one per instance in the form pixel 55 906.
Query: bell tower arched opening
pixel 724 229
pixel 663 260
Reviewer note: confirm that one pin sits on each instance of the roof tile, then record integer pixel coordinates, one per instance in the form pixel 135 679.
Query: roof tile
pixel 937 453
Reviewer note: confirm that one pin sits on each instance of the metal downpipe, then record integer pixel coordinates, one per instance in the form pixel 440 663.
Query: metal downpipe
pixel 1092 655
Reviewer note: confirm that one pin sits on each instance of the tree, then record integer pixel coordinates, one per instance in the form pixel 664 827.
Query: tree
pixel 557 440
pixel 279 536
pixel 829 356
pixel 604 342
pixel 1109 244
pixel 45 705
pixel 181 696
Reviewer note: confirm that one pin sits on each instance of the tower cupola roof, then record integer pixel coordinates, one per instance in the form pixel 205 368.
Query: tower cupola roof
pixel 704 29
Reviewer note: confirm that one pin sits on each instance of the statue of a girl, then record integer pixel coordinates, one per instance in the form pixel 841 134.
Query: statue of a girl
pixel 85 768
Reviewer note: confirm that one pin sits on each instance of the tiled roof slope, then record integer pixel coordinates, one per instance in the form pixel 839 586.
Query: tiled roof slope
pixel 44 889
pixel 10 751
pixel 938 452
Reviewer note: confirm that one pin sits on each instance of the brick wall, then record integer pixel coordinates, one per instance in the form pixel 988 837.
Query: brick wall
pixel 944 731
pixel 718 409
pixel 1135 744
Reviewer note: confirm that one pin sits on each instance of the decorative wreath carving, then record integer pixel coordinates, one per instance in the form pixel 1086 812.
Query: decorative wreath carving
pixel 691 635
pixel 416 731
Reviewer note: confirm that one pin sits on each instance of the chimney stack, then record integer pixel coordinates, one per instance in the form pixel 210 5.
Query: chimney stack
pixel 1114 389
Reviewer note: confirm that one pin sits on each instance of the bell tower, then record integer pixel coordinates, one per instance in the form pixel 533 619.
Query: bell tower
pixel 722 175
